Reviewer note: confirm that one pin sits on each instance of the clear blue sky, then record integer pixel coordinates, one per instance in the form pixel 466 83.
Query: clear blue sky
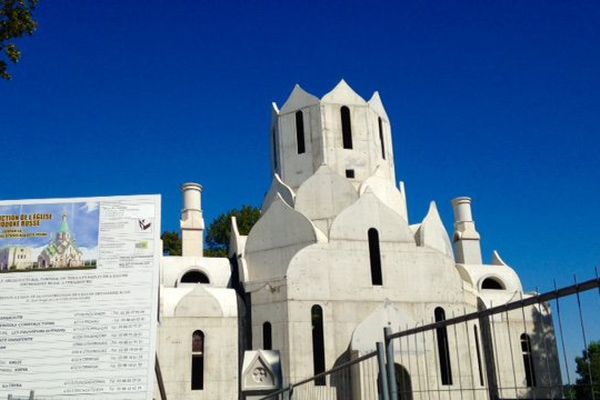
pixel 499 101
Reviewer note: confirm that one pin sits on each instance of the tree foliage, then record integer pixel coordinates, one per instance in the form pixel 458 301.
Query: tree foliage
pixel 16 20
pixel 171 243
pixel 219 231
pixel 588 363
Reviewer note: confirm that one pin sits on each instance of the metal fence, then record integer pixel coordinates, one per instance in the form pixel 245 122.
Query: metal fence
pixel 520 349
pixel 536 347
pixel 339 382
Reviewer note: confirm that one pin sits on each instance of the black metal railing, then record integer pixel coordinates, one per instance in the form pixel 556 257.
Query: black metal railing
pixel 509 350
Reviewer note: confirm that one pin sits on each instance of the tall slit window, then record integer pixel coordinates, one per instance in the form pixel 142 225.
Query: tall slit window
pixel 375 257
pixel 346 127
pixel 267 339
pixel 198 360
pixel 479 365
pixel 274 140
pixel 528 360
pixel 318 343
pixel 300 131
pixel 381 137
pixel 443 348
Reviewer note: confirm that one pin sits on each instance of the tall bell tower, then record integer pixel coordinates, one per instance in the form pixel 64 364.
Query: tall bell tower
pixel 342 130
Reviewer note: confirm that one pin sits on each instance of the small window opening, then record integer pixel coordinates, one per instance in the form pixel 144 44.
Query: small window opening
pixel 528 360
pixel 267 340
pixel 318 343
pixel 491 283
pixel 479 365
pixel 300 131
pixel 198 360
pixel 381 137
pixel 346 127
pixel 349 173
pixel 194 277
pixel 443 348
pixel 375 257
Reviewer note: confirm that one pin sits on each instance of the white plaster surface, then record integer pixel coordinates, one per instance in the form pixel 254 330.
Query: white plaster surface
pixel 310 247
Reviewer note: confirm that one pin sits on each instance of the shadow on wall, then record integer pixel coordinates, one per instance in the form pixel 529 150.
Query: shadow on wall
pixel 540 356
pixel 342 380
pixel 536 365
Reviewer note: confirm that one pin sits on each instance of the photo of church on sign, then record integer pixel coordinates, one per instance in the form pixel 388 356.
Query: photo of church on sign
pixel 49 237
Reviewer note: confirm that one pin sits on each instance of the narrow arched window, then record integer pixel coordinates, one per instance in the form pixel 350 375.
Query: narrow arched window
pixel 318 343
pixel 443 348
pixel 528 360
pixel 267 339
pixel 381 137
pixel 274 140
pixel 375 257
pixel 346 127
pixel 300 131
pixel 198 360
pixel 479 365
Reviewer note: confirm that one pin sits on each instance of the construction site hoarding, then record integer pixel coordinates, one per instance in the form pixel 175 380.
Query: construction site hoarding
pixel 79 297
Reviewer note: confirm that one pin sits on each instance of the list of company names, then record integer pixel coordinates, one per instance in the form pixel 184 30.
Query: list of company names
pixel 80 322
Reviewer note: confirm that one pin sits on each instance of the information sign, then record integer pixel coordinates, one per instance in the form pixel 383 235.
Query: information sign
pixel 78 297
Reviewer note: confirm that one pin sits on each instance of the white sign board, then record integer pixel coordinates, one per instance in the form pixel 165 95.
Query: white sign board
pixel 78 297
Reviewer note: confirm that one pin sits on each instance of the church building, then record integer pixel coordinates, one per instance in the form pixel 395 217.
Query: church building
pixel 332 261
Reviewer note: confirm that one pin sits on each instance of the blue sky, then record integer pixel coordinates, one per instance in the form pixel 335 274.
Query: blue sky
pixel 82 220
pixel 495 100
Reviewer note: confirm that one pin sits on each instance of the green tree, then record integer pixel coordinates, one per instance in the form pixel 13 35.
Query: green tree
pixel 588 363
pixel 16 20
pixel 219 231
pixel 171 243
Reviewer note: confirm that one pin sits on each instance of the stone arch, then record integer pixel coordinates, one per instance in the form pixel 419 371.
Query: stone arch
pixel 323 196
pixel 274 240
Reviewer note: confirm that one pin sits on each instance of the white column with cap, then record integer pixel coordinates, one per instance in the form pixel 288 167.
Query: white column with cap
pixel 466 239
pixel 192 222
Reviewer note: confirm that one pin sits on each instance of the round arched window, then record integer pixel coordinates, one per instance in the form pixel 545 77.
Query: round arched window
pixel 194 276
pixel 492 283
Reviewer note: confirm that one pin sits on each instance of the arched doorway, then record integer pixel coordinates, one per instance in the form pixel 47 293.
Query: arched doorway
pixel 403 383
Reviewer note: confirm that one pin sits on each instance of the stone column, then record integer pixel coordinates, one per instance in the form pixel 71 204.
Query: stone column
pixel 192 222
pixel 466 239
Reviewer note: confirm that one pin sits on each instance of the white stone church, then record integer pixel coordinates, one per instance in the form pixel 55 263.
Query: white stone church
pixel 332 261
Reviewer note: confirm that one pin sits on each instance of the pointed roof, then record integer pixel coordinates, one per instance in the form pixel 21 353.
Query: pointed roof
pixel 382 186
pixel 343 94
pixel 278 187
pixel 497 260
pixel 377 106
pixel 299 98
pixel 433 234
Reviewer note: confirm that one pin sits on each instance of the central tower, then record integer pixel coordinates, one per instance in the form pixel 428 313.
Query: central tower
pixel 342 130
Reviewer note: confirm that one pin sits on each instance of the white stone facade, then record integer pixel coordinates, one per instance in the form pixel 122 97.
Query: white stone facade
pixel 334 245
pixel 14 257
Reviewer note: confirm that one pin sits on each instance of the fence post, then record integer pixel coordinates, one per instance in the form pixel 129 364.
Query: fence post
pixel 383 381
pixel 159 379
pixel 391 373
